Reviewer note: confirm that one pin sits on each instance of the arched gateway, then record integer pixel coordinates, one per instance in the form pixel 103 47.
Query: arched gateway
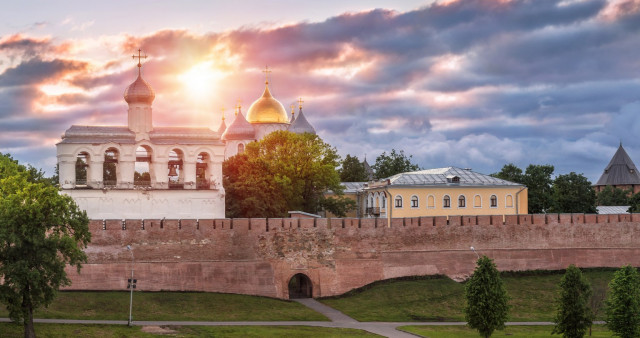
pixel 300 286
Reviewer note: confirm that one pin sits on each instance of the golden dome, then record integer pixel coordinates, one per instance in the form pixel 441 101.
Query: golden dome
pixel 267 110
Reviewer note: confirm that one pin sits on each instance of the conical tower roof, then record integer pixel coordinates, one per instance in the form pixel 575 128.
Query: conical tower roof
pixel 239 129
pixel 222 128
pixel 367 169
pixel 301 125
pixel 620 171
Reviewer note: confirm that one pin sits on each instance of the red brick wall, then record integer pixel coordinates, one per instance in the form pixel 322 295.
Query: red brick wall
pixel 259 256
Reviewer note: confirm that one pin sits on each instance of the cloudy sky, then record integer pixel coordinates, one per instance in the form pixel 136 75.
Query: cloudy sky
pixel 469 83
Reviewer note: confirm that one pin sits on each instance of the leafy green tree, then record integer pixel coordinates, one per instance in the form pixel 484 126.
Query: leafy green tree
pixel 614 196
pixel 486 308
pixel 511 173
pixel 634 203
pixel 41 231
pixel 538 180
pixel 574 314
pixel 290 171
pixel 352 170
pixel 623 304
pixel 392 164
pixel 573 193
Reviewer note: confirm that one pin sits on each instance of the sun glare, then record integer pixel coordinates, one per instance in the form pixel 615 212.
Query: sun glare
pixel 201 80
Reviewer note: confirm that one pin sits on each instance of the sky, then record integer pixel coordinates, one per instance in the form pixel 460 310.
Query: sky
pixel 469 83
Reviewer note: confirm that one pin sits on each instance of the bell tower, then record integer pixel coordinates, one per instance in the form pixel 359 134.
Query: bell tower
pixel 139 95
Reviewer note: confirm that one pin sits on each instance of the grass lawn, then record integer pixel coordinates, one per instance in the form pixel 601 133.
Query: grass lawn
pixel 173 306
pixel 441 299
pixel 73 330
pixel 511 331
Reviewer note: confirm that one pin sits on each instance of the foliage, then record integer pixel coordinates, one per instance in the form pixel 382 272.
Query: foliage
pixel 574 316
pixel 538 180
pixel 41 231
pixel 353 170
pixel 573 193
pixel 392 164
pixel 614 196
pixel 283 172
pixel 510 172
pixel 634 203
pixel 486 309
pixel 623 303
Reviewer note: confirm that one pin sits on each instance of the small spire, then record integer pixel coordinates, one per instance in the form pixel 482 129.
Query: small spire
pixel 140 57
pixel 238 107
pixel 266 72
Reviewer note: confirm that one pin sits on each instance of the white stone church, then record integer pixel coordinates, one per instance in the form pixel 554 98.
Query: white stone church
pixel 140 171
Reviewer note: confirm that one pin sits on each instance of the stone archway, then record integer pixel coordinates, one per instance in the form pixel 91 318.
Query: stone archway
pixel 300 286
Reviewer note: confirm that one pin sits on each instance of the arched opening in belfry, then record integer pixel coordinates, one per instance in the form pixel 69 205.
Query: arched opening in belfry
pixel 82 169
pixel 142 174
pixel 110 168
pixel 202 172
pixel 300 286
pixel 175 170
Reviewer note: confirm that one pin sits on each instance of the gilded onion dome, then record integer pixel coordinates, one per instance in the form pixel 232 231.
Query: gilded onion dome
pixel 139 92
pixel 267 109
pixel 239 129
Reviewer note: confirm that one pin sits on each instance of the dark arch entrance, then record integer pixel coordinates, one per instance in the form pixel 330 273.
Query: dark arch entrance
pixel 300 286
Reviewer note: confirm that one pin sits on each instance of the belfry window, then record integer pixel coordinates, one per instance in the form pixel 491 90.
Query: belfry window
pixel 142 174
pixel 110 168
pixel 174 170
pixel 82 166
pixel 202 172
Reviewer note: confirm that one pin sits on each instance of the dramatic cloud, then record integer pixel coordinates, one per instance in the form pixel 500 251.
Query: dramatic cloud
pixel 474 83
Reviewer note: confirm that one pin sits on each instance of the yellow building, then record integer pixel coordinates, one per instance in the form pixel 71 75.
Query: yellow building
pixel 442 192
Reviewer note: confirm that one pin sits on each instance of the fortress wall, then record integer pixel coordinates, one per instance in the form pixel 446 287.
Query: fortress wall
pixel 259 256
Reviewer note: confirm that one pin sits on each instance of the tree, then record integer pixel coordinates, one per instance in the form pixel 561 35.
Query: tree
pixel 353 170
pixel 573 193
pixel 623 304
pixel 41 231
pixel 537 179
pixel 486 309
pixel 614 196
pixel 634 203
pixel 392 164
pixel 510 172
pixel 573 316
pixel 283 172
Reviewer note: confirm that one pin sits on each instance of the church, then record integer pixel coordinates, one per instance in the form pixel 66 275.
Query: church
pixel 141 171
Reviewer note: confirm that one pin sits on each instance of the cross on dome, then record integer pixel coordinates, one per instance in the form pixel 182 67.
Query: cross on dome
pixel 140 57
pixel 238 107
pixel 300 103
pixel 222 109
pixel 266 72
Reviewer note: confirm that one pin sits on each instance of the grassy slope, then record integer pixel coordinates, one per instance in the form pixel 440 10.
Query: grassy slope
pixel 73 330
pixel 173 306
pixel 511 331
pixel 442 299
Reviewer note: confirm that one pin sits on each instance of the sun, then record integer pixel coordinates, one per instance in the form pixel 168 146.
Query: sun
pixel 201 80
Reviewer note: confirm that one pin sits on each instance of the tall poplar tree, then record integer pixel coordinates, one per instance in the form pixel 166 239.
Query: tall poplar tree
pixel 486 309
pixel 573 317
pixel 623 304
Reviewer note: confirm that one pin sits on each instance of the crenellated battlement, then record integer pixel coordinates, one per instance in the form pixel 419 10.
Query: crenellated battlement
pixel 260 255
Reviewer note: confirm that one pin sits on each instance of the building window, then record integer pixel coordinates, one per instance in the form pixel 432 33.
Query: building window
pixel 431 202
pixel 446 202
pixel 398 201
pixel 414 201
pixel 384 202
pixel 240 148
pixel 494 201
pixel 509 201
pixel 477 201
pixel 461 202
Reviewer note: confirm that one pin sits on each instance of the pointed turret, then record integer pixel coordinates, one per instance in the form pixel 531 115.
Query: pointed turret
pixel 367 169
pixel 239 129
pixel 621 171
pixel 300 124
pixel 223 126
